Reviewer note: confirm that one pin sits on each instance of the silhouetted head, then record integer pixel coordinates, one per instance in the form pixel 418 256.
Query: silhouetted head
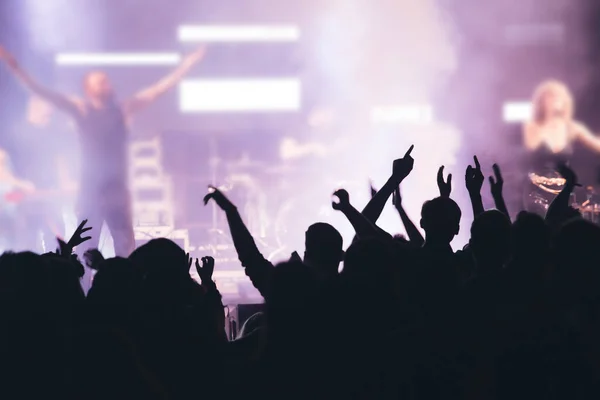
pixel 65 277
pixel 490 240
pixel 24 277
pixel 161 256
pixel 576 251
pixel 530 237
pixel 368 263
pixel 97 86
pixel 290 300
pixel 323 248
pixel 440 218
pixel 116 283
pixel 552 99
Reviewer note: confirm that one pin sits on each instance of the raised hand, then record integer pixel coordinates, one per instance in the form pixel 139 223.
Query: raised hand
pixel 474 178
pixel 568 174
pixel 67 248
pixel 219 198
pixel 445 186
pixel 63 248
pixel 190 260
pixel 77 237
pixel 403 166
pixel 343 200
pixel 206 270
pixel 496 181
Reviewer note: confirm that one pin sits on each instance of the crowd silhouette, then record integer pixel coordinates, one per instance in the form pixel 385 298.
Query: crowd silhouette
pixel 513 315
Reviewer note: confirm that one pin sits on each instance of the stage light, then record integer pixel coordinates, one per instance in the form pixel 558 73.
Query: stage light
pixel 117 59
pixel 238 33
pixel 517 111
pixel 240 95
pixel 402 114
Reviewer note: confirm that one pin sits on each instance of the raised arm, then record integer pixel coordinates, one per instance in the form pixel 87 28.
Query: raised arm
pixel 444 186
pixel 413 233
pixel 58 100
pixel 362 226
pixel 586 137
pixel 559 209
pixel 212 297
pixel 148 95
pixel 257 267
pixel 474 182
pixel 400 170
pixel 497 185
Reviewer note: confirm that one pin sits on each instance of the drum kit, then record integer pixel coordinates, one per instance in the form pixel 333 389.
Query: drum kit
pixel 277 201
pixel 551 186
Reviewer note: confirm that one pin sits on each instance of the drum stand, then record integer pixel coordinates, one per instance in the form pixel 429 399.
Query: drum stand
pixel 216 233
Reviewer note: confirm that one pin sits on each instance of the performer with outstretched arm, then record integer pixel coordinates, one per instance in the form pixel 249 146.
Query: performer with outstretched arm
pixel 102 125
pixel 548 139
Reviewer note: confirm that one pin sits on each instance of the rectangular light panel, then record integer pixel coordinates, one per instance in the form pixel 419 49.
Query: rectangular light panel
pixel 402 114
pixel 117 59
pixel 513 112
pixel 240 95
pixel 238 33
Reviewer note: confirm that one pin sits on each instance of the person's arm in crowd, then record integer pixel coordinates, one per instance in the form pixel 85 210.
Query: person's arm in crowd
pixel 559 209
pixel 413 233
pixel 211 293
pixel 400 170
pixel 363 227
pixel 93 259
pixel 66 248
pixel 497 185
pixel 147 96
pixel 474 181
pixel 444 186
pixel 257 267
pixel 373 190
pixel 58 100
pixel 586 137
pixel 375 206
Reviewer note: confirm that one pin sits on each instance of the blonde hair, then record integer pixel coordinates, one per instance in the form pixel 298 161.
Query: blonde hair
pixel 559 89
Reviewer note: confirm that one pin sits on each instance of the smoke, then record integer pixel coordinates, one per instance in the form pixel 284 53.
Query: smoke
pixel 54 25
pixel 383 51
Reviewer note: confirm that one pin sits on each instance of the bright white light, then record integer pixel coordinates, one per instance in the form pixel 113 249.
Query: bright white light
pixel 517 111
pixel 405 114
pixel 241 95
pixel 117 59
pixel 238 33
